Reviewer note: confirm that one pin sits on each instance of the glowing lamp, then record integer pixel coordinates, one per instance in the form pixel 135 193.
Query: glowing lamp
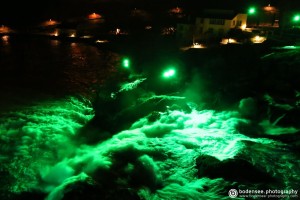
pixel 94 16
pixel 251 10
pixel 126 63
pixel 169 73
pixel 296 18
pixel 5 38
pixel 258 39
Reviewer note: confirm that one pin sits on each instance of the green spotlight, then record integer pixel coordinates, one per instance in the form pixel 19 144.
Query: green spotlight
pixel 169 73
pixel 251 10
pixel 126 63
pixel 296 18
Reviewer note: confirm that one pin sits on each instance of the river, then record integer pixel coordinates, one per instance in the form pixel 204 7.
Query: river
pixel 184 150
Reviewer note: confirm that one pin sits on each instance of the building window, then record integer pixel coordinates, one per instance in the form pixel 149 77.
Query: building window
pixel 239 23
pixel 233 22
pixel 217 21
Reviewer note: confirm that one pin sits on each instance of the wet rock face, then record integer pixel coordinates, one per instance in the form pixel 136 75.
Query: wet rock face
pixel 248 108
pixel 235 169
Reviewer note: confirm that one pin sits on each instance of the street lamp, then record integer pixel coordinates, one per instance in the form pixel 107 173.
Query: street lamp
pixel 296 18
pixel 252 10
pixel 126 63
pixel 169 73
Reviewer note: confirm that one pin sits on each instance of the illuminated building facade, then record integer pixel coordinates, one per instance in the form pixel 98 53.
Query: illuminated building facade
pixel 211 24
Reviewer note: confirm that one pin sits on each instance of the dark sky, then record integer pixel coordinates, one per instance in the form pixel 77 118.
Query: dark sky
pixel 33 11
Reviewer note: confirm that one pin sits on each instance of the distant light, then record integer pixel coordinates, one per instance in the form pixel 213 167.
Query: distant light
pixel 232 40
pixel 72 35
pixel 169 73
pixel 197 46
pixel 4 29
pixel 94 16
pixel 101 41
pixel 176 10
pixel 86 36
pixel 270 9
pixel 296 18
pixel 229 41
pixel 49 22
pixel 126 63
pixel 258 39
pixel 251 10
pixel 5 38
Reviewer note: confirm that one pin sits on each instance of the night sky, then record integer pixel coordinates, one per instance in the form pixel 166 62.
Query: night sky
pixel 35 11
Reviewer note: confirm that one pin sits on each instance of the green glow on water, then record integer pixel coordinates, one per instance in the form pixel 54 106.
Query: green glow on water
pixel 40 135
pixel 157 154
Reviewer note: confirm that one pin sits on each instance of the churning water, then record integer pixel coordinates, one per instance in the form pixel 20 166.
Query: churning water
pixel 180 152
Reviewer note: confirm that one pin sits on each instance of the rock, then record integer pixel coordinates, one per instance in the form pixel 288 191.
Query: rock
pixel 235 169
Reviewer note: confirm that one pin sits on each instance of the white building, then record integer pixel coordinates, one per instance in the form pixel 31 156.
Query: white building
pixel 211 24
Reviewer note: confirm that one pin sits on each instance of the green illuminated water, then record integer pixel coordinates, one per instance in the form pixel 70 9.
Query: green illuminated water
pixel 157 159
pixel 183 150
